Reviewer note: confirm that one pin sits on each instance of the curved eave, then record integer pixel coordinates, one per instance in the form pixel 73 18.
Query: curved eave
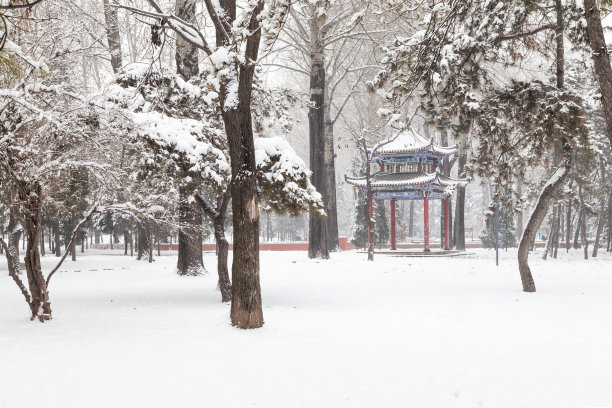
pixel 425 180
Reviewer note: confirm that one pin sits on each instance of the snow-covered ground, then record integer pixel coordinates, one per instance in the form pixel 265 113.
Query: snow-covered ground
pixel 398 332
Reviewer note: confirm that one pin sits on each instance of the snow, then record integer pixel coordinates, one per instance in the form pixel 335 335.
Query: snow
pixel 396 332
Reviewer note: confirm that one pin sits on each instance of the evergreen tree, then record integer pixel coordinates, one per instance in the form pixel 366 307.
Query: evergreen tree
pixel 359 237
pixel 505 219
pixel 381 223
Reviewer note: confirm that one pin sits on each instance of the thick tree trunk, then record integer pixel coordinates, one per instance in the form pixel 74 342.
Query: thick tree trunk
pixel 111 16
pixel 40 304
pixel 143 240
pixel 317 233
pixel 186 54
pixel 601 60
pixel 329 196
pixel 190 260
pixel 125 242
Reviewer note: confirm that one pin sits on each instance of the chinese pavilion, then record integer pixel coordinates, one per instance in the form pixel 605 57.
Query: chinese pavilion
pixel 409 166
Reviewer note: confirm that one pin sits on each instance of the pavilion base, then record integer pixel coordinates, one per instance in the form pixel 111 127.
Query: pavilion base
pixel 417 253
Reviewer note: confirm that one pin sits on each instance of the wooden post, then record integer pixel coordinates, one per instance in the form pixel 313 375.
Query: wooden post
pixel 426 221
pixel 446 224
pixel 393 224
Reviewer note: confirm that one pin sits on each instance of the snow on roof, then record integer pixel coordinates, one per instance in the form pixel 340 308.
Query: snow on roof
pixel 382 179
pixel 411 141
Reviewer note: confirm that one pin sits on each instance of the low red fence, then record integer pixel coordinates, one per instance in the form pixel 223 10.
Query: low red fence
pixel 269 246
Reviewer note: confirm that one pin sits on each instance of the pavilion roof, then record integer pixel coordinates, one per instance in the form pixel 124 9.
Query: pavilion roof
pixel 411 141
pixel 415 179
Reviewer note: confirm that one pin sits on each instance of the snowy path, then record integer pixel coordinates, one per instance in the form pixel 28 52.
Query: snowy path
pixel 398 332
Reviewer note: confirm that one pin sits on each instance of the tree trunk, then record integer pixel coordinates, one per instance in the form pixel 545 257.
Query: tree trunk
pixel 519 216
pixel 42 241
pixel 460 206
pixel 601 60
pixel 225 286
pixel 602 207
pixel 143 240
pixel 583 236
pixel 190 260
pixel 111 15
pixel 558 231
pixel 537 216
pixel 317 233
pixel 14 232
pixel 186 55
pixel 549 241
pixel 73 246
pixel 56 236
pixel 329 170
pixel 40 304
pixel 125 242
pixel 578 225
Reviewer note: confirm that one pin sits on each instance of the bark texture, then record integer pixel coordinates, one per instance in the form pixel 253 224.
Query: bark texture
pixel 190 261
pixel 246 310
pixel 601 60
pixel 186 55
pixel 113 37
pixel 317 232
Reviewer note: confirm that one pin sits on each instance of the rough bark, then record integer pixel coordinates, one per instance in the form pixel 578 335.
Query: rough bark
pixel 329 172
pixel 113 37
pixel 225 286
pixel 317 233
pixel 246 310
pixel 190 260
pixel 186 55
pixel 14 231
pixel 217 216
pixel 601 60
pixel 537 216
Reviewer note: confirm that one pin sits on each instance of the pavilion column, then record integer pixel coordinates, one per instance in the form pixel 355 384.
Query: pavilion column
pixel 371 212
pixel 446 223
pixel 393 224
pixel 426 221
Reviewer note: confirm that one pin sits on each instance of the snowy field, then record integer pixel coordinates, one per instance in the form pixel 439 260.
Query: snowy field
pixel 399 332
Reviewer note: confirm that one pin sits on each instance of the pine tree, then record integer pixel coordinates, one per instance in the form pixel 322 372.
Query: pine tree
pixel 507 237
pixel 359 237
pixel 381 223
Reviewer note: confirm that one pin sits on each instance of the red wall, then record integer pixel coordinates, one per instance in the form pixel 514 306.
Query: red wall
pixel 271 246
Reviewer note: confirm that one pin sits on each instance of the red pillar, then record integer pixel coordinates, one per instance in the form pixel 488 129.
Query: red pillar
pixel 393 224
pixel 371 212
pixel 426 222
pixel 446 224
